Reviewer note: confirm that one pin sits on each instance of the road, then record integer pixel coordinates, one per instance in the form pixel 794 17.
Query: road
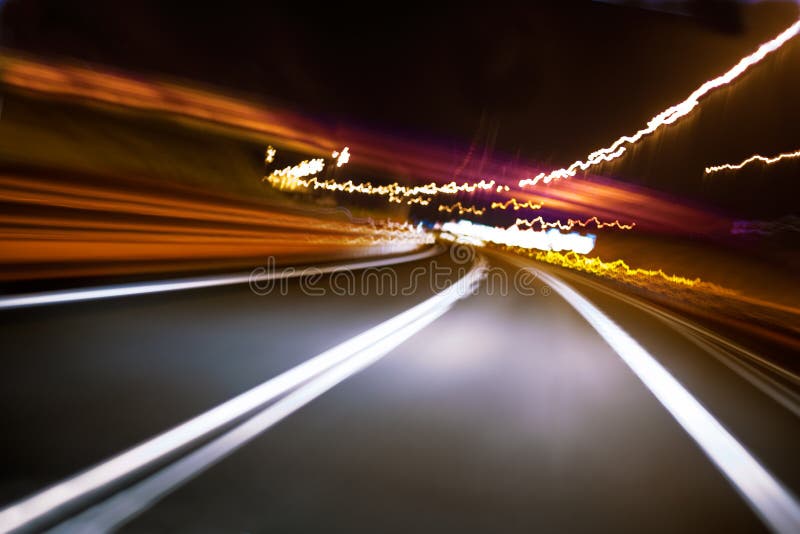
pixel 509 412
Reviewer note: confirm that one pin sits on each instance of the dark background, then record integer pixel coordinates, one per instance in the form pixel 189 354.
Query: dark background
pixel 547 82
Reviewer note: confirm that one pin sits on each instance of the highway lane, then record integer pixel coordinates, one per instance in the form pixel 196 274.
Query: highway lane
pixel 83 381
pixel 509 412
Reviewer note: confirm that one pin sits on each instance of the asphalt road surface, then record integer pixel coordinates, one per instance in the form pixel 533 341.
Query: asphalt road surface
pixel 510 412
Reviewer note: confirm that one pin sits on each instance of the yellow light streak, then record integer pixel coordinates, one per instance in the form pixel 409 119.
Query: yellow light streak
pixel 621 271
pixel 509 204
pixel 516 205
pixel 418 200
pixel 571 223
pixel 462 209
pixel 751 159
pixel 669 115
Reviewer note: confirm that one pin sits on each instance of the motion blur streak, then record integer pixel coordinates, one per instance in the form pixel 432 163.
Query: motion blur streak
pixel 571 223
pixel 751 159
pixel 670 115
pixel 59 229
pixel 766 496
pixel 620 270
pixel 124 290
pixel 606 200
pixel 67 495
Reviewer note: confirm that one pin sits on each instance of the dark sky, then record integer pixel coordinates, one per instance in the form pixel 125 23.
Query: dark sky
pixel 548 81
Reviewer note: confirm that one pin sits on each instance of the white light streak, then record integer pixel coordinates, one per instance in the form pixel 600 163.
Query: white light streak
pixel 553 239
pixel 671 114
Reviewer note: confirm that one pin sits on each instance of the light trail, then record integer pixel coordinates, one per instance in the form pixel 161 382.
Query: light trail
pixel 296 133
pixel 461 209
pixel 509 204
pixel 249 410
pixel 479 234
pixel 751 159
pixel 765 494
pixel 571 223
pixel 292 179
pixel 303 176
pixel 61 229
pixel 516 205
pixel 669 115
pixel 619 270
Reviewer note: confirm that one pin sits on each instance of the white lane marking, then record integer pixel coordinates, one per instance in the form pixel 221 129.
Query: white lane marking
pixel 768 498
pixel 145 288
pixel 69 493
pixel 111 514
pixel 738 359
pixel 756 359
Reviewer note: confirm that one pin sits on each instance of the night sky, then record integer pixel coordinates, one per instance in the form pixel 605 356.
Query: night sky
pixel 547 83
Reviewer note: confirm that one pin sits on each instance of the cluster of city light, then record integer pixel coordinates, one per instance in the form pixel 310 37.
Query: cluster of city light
pixel 670 115
pixel 621 271
pixel 269 155
pixel 752 159
pixel 341 157
pixel 572 223
pixel 288 177
pixel 302 177
pixel 551 240
pixel 548 237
